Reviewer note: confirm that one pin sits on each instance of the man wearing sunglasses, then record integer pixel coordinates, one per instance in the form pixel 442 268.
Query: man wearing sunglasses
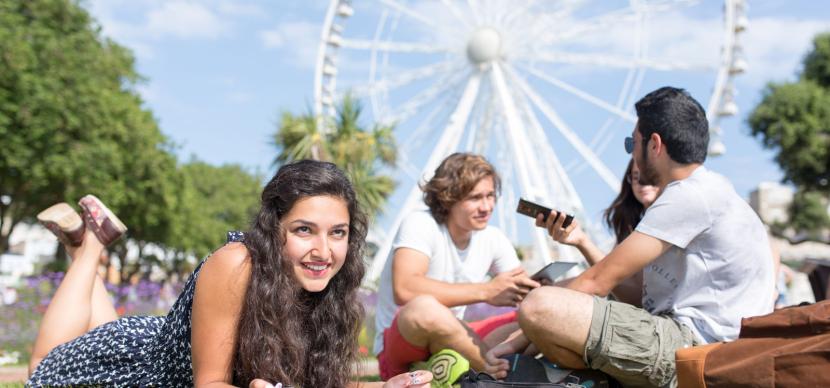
pixel 702 250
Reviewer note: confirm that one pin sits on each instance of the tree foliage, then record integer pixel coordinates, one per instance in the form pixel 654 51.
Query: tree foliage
pixel 213 201
pixel 793 118
pixel 808 212
pixel 72 123
pixel 71 120
pixel 817 61
pixel 359 151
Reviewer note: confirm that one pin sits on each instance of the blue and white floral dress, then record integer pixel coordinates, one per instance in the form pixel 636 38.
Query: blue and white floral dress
pixel 131 351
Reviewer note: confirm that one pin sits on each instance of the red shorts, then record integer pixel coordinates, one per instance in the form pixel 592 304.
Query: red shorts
pixel 398 353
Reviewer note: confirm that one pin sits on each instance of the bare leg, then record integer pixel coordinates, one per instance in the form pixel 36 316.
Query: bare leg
pixel 425 322
pixel 70 311
pixel 500 334
pixel 103 310
pixel 557 321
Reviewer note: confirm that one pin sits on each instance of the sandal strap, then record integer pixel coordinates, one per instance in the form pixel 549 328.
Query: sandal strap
pixel 100 220
pixel 106 232
pixel 76 236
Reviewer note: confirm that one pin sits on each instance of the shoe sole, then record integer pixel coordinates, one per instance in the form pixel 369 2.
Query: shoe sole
pixel 107 212
pixel 62 215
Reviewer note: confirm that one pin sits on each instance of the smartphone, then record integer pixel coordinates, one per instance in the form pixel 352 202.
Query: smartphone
pixel 531 210
pixel 553 270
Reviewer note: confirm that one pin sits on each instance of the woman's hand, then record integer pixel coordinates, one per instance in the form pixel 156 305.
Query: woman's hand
pixel 417 379
pixel 572 235
pixel 260 383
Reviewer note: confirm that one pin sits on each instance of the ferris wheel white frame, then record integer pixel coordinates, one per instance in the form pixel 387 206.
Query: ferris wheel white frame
pixel 517 109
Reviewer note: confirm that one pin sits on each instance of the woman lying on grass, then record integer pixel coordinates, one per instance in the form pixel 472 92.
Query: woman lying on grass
pixel 275 306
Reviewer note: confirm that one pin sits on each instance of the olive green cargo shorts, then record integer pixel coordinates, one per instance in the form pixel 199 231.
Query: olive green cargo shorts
pixel 633 346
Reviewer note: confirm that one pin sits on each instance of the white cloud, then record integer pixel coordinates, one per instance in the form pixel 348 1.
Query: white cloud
pixel 137 22
pixel 775 47
pixel 185 20
pixel 271 38
pixel 239 9
pixel 299 38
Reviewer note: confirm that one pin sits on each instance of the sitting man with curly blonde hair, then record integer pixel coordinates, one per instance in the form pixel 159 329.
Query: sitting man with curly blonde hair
pixel 445 258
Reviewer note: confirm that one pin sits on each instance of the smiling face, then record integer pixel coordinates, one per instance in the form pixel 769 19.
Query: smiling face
pixel 474 211
pixel 316 239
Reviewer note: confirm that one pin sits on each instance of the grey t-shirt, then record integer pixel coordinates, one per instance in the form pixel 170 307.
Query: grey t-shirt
pixel 719 268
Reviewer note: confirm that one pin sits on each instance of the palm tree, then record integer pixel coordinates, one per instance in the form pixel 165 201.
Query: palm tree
pixel 360 152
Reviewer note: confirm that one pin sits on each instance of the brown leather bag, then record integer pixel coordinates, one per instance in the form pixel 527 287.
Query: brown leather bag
pixel 788 348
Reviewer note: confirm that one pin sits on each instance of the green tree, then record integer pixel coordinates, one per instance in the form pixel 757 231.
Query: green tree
pixel 213 201
pixel 808 212
pixel 71 121
pixel 817 61
pixel 359 151
pixel 793 118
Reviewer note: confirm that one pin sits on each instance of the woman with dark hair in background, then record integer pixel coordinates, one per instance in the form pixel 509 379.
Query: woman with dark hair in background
pixel 274 307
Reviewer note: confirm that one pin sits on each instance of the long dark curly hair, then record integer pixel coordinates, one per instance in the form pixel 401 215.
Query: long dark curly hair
pixel 285 333
pixel 626 211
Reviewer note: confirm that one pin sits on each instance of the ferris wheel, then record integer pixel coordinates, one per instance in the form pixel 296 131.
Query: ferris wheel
pixel 539 87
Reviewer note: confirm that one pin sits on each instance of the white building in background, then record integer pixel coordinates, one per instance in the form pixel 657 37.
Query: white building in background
pixel 28 246
pixel 771 200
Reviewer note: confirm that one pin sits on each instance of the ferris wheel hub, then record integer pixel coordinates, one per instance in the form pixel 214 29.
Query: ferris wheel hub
pixel 484 45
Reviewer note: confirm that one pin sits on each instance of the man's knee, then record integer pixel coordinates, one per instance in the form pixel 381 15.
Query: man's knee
pixel 557 314
pixel 540 304
pixel 424 314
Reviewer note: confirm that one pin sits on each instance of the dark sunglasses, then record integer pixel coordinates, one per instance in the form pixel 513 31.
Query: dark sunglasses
pixel 629 144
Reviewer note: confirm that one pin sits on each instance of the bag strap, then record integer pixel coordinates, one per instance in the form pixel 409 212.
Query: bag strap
pixel 473 379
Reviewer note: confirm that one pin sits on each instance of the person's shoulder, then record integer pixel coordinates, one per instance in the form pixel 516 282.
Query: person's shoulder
pixel 710 187
pixel 422 219
pixel 692 188
pixel 422 215
pixel 229 264
pixel 232 254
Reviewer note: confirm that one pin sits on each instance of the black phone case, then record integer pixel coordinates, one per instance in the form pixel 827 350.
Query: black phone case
pixel 531 210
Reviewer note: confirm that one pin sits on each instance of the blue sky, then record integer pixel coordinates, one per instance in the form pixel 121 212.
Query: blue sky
pixel 219 72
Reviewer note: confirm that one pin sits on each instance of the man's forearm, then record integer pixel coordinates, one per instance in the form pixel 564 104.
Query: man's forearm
pixel 449 294
pixel 585 283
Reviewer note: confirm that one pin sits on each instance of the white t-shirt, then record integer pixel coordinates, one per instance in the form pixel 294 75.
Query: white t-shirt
pixel 719 268
pixel 488 253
